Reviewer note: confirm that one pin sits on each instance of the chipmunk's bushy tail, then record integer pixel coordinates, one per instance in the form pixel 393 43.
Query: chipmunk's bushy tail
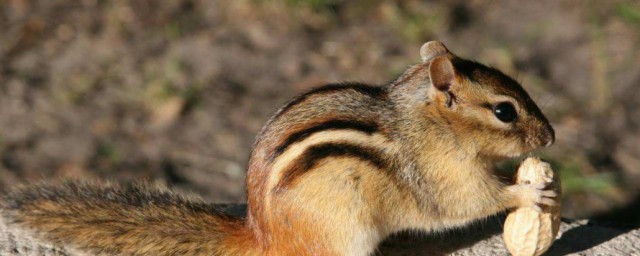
pixel 128 220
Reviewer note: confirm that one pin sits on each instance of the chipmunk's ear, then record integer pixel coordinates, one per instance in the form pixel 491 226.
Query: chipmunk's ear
pixel 442 73
pixel 431 50
pixel 441 69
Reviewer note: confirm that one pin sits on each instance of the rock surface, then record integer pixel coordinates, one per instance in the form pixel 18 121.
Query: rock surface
pixel 579 237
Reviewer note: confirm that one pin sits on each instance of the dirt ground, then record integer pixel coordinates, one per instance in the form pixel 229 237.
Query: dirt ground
pixel 173 92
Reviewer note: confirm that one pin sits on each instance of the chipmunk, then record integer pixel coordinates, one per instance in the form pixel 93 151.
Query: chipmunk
pixel 333 172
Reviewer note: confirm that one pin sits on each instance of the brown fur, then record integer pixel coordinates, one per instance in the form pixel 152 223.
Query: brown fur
pixel 131 220
pixel 334 172
pixel 313 155
pixel 331 124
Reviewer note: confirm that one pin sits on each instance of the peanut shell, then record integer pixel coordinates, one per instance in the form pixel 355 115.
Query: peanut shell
pixel 528 232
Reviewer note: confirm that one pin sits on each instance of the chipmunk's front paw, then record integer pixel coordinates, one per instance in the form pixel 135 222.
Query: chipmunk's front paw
pixel 533 195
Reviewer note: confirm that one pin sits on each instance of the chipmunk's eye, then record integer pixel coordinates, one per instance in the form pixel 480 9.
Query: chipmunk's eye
pixel 505 112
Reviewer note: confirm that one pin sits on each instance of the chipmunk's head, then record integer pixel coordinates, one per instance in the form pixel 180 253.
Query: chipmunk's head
pixel 489 110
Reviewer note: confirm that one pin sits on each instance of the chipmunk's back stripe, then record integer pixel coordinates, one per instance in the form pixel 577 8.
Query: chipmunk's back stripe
pixel 366 127
pixel 373 91
pixel 314 154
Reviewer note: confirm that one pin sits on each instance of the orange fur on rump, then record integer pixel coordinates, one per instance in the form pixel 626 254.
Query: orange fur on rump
pixel 333 172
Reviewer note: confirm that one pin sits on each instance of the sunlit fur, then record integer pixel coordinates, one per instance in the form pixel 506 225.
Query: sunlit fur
pixel 125 220
pixel 334 172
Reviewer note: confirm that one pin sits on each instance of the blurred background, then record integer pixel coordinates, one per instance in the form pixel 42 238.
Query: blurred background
pixel 173 92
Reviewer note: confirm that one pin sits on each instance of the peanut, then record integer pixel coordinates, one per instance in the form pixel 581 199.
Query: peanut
pixel 528 232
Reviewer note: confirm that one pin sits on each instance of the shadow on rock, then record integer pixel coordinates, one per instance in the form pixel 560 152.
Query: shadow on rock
pixel 583 237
